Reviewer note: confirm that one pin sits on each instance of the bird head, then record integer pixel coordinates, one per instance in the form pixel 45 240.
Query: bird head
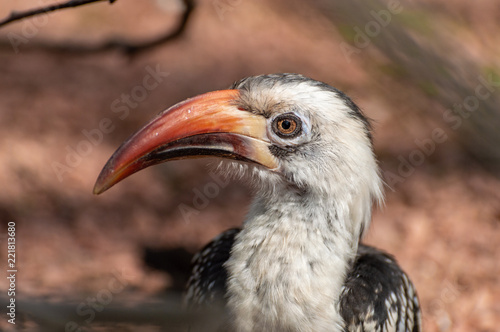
pixel 293 132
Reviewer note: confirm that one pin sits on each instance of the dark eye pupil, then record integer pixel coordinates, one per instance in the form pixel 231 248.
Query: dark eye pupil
pixel 286 124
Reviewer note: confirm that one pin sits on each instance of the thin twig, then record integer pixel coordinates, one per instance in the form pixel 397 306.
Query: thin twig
pixel 16 16
pixel 132 49
pixel 125 46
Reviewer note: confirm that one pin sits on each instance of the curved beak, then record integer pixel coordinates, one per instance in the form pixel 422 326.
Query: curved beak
pixel 207 125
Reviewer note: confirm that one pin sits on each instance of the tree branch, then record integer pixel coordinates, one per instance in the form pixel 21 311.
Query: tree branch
pixel 16 16
pixel 124 46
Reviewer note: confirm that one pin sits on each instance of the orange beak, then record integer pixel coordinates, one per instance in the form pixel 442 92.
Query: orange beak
pixel 207 125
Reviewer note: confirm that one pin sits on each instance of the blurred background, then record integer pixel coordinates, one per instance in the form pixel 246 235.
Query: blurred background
pixel 76 83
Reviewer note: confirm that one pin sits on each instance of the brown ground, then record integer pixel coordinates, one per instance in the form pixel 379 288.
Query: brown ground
pixel 441 222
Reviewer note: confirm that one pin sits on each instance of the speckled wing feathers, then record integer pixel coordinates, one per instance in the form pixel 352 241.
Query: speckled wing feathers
pixel 378 296
pixel 207 283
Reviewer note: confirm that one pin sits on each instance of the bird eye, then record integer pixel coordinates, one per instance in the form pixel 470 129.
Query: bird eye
pixel 287 125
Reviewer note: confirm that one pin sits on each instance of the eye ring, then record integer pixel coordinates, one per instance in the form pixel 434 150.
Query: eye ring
pixel 287 125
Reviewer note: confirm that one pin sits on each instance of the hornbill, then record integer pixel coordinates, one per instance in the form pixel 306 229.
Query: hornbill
pixel 297 264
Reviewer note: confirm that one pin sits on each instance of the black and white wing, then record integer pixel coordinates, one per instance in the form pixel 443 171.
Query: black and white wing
pixel 207 283
pixel 378 296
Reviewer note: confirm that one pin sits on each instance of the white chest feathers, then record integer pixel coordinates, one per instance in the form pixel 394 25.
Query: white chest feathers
pixel 287 276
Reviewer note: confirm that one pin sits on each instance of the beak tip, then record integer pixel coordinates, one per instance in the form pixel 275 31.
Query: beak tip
pixel 106 179
pixel 101 185
pixel 98 189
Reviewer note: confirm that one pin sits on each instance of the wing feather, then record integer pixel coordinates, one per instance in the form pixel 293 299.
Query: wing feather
pixel 378 296
pixel 207 283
